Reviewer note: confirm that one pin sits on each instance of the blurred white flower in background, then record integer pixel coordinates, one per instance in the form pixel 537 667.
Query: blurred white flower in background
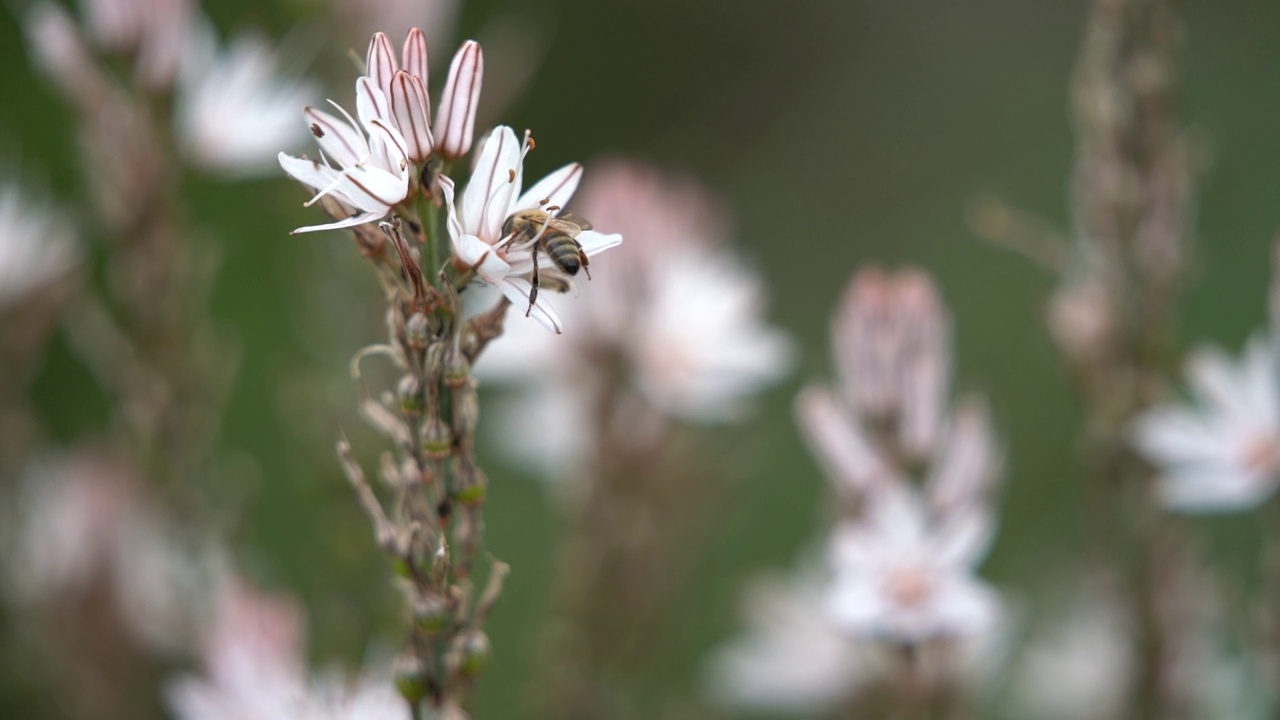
pixel 672 316
pixel 83 523
pixel 253 658
pixel 154 32
pixel 1222 453
pixel 792 657
pixel 903 576
pixel 37 245
pixel 397 17
pixel 235 110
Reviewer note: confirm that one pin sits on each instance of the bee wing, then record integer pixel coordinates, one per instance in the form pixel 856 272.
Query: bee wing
pixel 573 218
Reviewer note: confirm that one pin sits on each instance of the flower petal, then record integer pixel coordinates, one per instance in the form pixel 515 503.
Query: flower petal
pixel 554 190
pixel 338 139
pixel 492 185
pixel 593 242
pixel 517 290
pixel 358 219
pixel 313 174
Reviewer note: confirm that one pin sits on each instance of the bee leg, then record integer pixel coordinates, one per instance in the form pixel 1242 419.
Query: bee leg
pixel 582 259
pixel 533 293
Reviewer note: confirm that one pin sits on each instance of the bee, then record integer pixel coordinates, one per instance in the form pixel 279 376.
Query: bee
pixel 554 235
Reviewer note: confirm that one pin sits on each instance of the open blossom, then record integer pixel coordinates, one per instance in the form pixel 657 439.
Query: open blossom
pixel 1223 453
pixel 254 668
pixel 904 576
pixel 36 245
pixel 491 197
pixel 234 110
pixel 373 169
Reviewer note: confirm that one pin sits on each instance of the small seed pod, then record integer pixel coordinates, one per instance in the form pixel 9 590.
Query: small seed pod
pixel 457 370
pixel 475 651
pixel 437 439
pixel 409 396
pixel 417 331
pixel 411 677
pixel 466 411
pixel 472 487
pixel 432 613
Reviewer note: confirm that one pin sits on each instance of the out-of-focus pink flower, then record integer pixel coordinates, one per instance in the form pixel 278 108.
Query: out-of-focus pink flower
pixel 234 110
pixel 254 668
pixel 373 169
pixel 1222 454
pixel 1080 318
pixel 892 342
pixel 155 32
pixel 86 524
pixel 476 224
pixel 37 245
pixel 904 576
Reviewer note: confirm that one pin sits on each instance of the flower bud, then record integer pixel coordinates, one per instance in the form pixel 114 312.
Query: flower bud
pixel 410 109
pixel 380 62
pixel 456 122
pixel 417 331
pixel 437 440
pixel 409 395
pixel 414 60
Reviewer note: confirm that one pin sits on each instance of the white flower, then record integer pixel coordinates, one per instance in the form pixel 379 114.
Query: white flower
pixel 699 345
pixel 234 111
pixel 793 658
pixel 1223 453
pixel 155 32
pixel 903 576
pixel 37 245
pixel 494 194
pixel 457 121
pixel 373 170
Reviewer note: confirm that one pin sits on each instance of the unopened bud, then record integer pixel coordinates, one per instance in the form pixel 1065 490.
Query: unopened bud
pixel 456 121
pixel 432 613
pixel 411 677
pixel 417 331
pixel 437 439
pixel 409 395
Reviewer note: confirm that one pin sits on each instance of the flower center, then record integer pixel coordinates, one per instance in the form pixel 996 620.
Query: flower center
pixel 1262 455
pixel 909 587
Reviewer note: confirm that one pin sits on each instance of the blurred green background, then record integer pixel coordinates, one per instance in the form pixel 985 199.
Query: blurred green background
pixel 838 133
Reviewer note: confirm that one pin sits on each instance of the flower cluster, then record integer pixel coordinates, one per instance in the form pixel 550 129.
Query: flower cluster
pixel 914 485
pixel 393 153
